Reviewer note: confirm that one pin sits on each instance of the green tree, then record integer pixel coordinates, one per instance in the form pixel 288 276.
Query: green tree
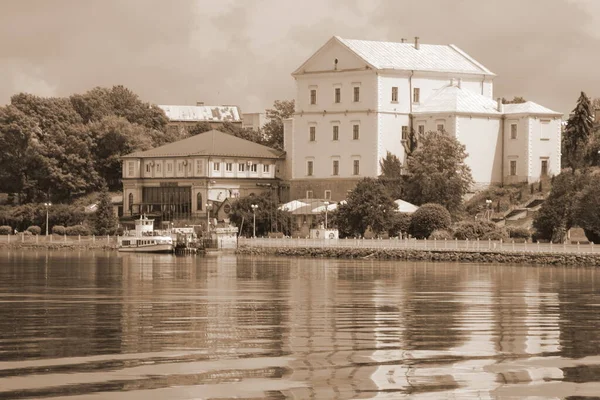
pixel 268 216
pixel 428 218
pixel 391 175
pixel 437 172
pixel 105 221
pixel 199 128
pixel 577 133
pixel 273 129
pixel 515 100
pixel 368 205
pixel 585 211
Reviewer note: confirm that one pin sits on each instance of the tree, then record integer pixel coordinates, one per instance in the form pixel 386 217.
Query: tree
pixel 199 128
pixel 105 221
pixel 437 172
pixel 428 218
pixel 368 205
pixel 391 175
pixel 515 100
pixel 268 216
pixel 273 129
pixel 585 211
pixel 577 133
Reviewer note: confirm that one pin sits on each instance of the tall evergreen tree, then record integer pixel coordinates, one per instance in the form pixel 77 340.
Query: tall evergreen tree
pixel 391 175
pixel 577 132
pixel 105 221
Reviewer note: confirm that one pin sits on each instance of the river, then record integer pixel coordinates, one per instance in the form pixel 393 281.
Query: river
pixel 101 325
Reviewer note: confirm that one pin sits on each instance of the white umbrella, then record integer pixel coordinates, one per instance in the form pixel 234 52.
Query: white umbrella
pixel 405 207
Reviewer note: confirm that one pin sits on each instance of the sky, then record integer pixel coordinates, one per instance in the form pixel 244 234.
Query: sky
pixel 242 52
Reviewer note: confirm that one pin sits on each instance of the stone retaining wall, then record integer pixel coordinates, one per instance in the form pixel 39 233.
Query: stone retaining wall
pixel 503 257
pixel 58 246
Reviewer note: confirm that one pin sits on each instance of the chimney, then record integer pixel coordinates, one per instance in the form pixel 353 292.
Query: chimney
pixel 199 103
pixel 500 105
pixel 417 42
pixel 402 40
pixel 459 82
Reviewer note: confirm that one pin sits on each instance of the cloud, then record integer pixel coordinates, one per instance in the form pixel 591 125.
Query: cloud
pixel 237 52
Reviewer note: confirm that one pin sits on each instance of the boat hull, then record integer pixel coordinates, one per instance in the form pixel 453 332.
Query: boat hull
pixel 152 248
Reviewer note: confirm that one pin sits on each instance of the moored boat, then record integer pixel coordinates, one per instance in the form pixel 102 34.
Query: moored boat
pixel 145 239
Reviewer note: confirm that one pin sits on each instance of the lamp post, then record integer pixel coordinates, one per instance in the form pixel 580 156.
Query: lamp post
pixel 326 208
pixel 208 208
pixel 254 207
pixel 47 208
pixel 488 206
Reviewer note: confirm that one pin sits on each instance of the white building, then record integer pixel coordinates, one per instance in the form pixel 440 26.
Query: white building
pixel 356 100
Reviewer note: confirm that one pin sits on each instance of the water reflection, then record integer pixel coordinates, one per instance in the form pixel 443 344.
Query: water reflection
pixel 99 325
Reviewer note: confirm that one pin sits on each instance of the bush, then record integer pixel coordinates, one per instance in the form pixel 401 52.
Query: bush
pixel 58 230
pixel 440 234
pixel 27 233
pixel 34 229
pixel 5 230
pixel 77 230
pixel 473 230
pixel 428 218
pixel 400 223
pixel 519 233
pixel 498 234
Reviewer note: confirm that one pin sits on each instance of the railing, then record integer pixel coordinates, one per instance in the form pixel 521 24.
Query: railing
pixel 414 244
pixel 59 239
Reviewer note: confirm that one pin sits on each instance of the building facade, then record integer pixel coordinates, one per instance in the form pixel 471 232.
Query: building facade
pixel 177 181
pixel 356 100
pixel 254 121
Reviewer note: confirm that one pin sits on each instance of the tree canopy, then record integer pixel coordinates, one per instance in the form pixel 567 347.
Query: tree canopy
pixel 437 171
pixel 391 175
pixel 273 129
pixel 268 216
pixel 577 133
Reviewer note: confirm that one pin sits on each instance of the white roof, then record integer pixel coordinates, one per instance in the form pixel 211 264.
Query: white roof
pixel 404 56
pixel 529 107
pixel 454 99
pixel 292 205
pixel 202 113
pixel 330 207
pixel 405 206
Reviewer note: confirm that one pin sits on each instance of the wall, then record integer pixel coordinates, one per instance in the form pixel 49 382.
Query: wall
pixel 547 147
pixel 516 149
pixel 482 137
pixel 339 188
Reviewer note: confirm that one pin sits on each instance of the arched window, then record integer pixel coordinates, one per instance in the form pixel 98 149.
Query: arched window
pixel 199 201
pixel 130 200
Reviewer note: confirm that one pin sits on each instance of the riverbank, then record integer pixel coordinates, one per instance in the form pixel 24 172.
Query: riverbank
pixel 58 246
pixel 481 257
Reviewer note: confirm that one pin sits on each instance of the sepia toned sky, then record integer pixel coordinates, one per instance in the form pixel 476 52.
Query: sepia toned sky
pixel 243 51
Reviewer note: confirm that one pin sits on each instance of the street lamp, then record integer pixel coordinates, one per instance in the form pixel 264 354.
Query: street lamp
pixel 47 207
pixel 254 207
pixel 488 206
pixel 208 208
pixel 326 208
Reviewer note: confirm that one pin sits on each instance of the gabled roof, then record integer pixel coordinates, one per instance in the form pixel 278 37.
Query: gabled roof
pixel 404 56
pixel 452 99
pixel 529 107
pixel 202 113
pixel 211 143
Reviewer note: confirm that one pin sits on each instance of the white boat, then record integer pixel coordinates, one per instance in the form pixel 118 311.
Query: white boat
pixel 145 239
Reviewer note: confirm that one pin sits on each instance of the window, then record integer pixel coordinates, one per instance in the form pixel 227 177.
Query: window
pixel 404 132
pixel 198 167
pixel 309 168
pixel 147 167
pixel 254 168
pixel 180 166
pixel 356 167
pixel 312 133
pixel 327 195
pixel 158 167
pixel 313 96
pixel 544 171
pixel 336 132
pixel 394 94
pixel 421 129
pixel 130 168
pixel 336 167
pixel 228 167
pixel 513 131
pixel 513 167
pixel 355 132
pixel 199 201
pixel 130 200
pixel 169 167
pixel 266 168
pixel 356 94
pixel 416 95
pixel 241 167
pixel 440 127
pixel 338 95
pixel 216 166
pixel 309 194
pixel 545 129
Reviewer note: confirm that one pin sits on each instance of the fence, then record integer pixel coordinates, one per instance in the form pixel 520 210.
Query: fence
pixel 414 244
pixel 59 239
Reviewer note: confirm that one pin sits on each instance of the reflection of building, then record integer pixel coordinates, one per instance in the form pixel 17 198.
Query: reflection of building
pixel 182 117
pixel 176 180
pixel 356 100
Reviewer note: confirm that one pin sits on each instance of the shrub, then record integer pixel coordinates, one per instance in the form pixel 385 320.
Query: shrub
pixel 5 230
pixel 519 233
pixel 440 234
pixel 474 229
pixel 34 229
pixel 58 230
pixel 400 223
pixel 499 233
pixel 428 218
pixel 27 233
pixel 77 230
